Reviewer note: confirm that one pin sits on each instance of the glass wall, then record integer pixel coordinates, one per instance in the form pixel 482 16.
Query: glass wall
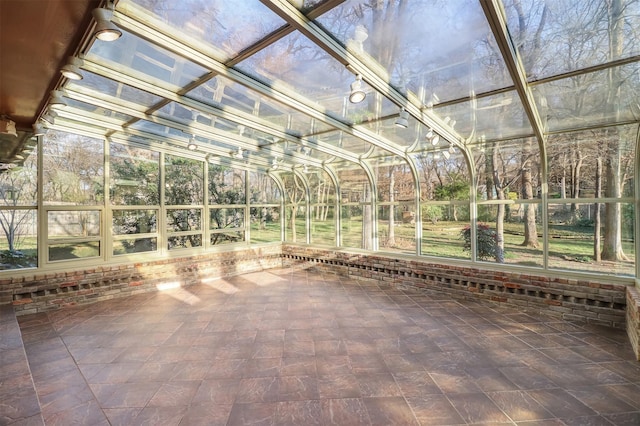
pixel 135 199
pixel 18 213
pixel 227 204
pixel 499 210
pixel 509 210
pixel 295 204
pixel 322 208
pixel 444 202
pixel 265 208
pixel 73 195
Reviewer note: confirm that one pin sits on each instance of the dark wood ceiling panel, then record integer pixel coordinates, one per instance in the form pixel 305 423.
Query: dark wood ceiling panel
pixel 36 36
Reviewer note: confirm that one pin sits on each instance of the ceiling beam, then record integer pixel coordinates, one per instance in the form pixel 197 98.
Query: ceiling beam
pixel 497 21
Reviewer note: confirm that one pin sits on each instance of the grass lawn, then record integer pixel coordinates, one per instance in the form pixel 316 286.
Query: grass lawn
pixel 570 247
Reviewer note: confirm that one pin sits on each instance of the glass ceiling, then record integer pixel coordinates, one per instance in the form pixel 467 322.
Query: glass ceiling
pixel 275 81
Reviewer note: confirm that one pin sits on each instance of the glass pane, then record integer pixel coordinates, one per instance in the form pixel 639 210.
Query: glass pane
pixel 517 247
pixel 265 224
pixel 224 93
pixel 394 179
pixel 574 159
pixel 424 46
pixel 323 225
pixel 74 251
pixel 295 223
pixel 109 115
pixel 498 116
pixel 295 210
pixel 572 245
pixel 396 231
pixel 601 97
pixel 184 181
pixel 135 176
pixel 18 181
pixel 224 26
pixel 299 63
pixel 146 61
pixel 135 245
pixel 354 185
pixel 106 89
pixel 79 223
pixel 442 228
pixel 351 217
pixel 226 185
pixel 321 188
pixel 18 241
pixel 226 218
pixel 347 142
pixel 184 241
pixel 442 178
pixel 73 168
pixel 508 170
pixel 134 221
pixel 263 189
pixel 574 34
pixel 183 220
pixel 226 237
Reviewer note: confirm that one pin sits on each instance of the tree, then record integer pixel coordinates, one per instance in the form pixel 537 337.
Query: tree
pixel 612 239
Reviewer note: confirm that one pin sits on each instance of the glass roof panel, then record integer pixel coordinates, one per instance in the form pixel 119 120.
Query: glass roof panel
pixel 559 36
pixel 157 129
pixel 105 87
pixel 427 47
pixel 133 55
pixel 308 70
pixel 602 97
pixel 221 91
pixel 403 136
pixel 104 112
pixel 498 116
pixel 345 141
pixel 225 27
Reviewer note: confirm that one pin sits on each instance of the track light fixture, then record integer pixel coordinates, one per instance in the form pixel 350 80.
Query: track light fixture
pixel 403 119
pixel 57 101
pixel 72 69
pixel 192 143
pixel 432 137
pixel 238 155
pixel 275 164
pixel 39 129
pixel 357 95
pixel 50 117
pixel 105 29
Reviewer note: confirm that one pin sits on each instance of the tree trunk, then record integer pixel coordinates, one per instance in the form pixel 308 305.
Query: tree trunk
pixel 596 218
pixel 501 210
pixel 391 241
pixel 612 239
pixel 530 231
pixel 292 223
pixel 367 220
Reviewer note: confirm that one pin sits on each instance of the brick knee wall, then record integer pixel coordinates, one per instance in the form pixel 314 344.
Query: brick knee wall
pixel 49 291
pixel 576 300
pixel 633 319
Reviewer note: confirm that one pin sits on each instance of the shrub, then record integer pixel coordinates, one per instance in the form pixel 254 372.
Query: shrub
pixel 487 241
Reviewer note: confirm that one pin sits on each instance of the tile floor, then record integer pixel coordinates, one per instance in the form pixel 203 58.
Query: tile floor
pixel 292 347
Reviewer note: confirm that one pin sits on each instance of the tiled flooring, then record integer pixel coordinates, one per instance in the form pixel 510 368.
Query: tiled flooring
pixel 288 347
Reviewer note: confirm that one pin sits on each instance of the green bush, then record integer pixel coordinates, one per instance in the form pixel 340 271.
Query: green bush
pixel 487 241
